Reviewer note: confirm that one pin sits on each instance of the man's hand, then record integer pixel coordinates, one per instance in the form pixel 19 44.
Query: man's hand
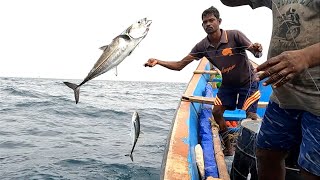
pixel 256 49
pixel 282 68
pixel 151 62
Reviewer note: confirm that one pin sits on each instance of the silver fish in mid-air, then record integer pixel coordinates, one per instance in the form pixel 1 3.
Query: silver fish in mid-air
pixel 114 53
pixel 135 131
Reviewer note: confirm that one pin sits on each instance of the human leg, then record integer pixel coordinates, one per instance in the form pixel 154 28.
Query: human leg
pixel 218 117
pixel 225 99
pixel 217 113
pixel 271 164
pixel 309 176
pixel 280 131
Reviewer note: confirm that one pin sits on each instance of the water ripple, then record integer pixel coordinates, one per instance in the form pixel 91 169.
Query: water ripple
pixel 45 135
pixel 15 145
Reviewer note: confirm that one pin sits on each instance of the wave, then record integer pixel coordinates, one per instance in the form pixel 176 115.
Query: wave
pixel 45 135
pixel 21 92
pixel 15 145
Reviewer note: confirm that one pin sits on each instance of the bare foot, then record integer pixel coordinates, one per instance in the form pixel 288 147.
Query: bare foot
pixel 252 115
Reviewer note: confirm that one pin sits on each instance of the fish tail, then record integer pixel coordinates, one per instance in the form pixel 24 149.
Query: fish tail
pixel 130 155
pixel 76 90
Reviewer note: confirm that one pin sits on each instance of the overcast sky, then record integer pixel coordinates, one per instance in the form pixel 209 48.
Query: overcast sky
pixel 61 38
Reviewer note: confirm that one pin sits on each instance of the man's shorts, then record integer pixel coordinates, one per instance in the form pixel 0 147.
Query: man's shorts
pixel 285 129
pixel 248 97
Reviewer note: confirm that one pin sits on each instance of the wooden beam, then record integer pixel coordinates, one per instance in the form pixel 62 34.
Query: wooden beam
pixel 208 100
pixel 262 104
pixel 221 163
pixel 198 99
pixel 214 72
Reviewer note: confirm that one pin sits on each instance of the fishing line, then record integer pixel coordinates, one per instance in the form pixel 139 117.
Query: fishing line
pixel 242 150
pixel 219 50
pixel 240 53
pixel 251 81
pixel 296 46
pixel 249 69
pixel 195 109
pixel 243 53
pixel 295 43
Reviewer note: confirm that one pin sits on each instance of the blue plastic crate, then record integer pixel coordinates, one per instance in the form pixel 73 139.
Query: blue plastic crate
pixel 235 115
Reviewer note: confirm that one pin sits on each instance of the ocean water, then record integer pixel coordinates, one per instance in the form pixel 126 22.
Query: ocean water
pixel 45 135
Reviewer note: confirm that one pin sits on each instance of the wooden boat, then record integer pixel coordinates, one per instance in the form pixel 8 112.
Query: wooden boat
pixel 179 160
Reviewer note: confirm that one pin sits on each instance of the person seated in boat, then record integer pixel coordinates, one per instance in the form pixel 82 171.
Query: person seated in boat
pixel 292 117
pixel 226 50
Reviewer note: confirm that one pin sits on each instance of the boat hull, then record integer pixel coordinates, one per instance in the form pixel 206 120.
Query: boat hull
pixel 179 156
pixel 179 160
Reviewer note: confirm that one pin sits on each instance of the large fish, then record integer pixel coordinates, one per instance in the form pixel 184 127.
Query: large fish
pixel 114 53
pixel 135 131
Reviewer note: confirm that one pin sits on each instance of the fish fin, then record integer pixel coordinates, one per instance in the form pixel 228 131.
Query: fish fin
pixel 103 48
pixel 130 52
pixel 124 36
pixel 126 31
pixel 116 70
pixel 130 155
pixel 76 90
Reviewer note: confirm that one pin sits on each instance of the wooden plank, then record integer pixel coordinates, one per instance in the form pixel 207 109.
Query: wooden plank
pixel 208 100
pixel 214 72
pixel 218 153
pixel 198 99
pixel 262 104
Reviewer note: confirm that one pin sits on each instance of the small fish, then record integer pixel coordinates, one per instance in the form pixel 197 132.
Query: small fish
pixel 135 131
pixel 114 53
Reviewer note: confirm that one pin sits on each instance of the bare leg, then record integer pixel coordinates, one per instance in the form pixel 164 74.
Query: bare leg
pixel 217 113
pixel 218 116
pixel 252 115
pixel 271 164
pixel 308 176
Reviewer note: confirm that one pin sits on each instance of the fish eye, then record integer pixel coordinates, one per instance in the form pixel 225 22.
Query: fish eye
pixel 139 22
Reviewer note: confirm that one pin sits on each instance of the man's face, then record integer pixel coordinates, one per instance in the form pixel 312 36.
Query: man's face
pixel 210 23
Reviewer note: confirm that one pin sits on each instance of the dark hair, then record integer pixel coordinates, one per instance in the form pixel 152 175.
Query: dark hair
pixel 211 10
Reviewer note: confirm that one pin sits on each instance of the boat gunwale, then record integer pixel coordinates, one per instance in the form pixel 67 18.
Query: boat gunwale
pixel 175 162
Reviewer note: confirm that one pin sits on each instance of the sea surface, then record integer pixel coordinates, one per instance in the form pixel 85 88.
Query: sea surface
pixel 45 135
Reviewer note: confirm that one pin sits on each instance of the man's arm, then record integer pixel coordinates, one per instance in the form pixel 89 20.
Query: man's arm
pixel 252 3
pixel 313 55
pixel 282 68
pixel 243 41
pixel 173 65
pixel 233 3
